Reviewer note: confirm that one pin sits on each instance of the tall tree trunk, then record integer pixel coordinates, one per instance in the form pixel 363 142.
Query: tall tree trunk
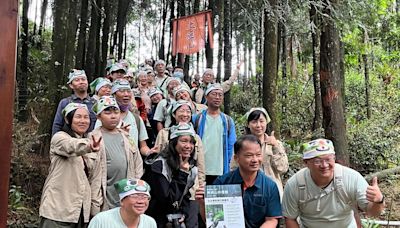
pixel 90 65
pixel 293 63
pixel 366 76
pixel 42 18
pixel 317 121
pixel 36 15
pixel 196 7
pixel 114 41
pixel 209 51
pixel 123 6
pixel 80 50
pixel 97 52
pixel 60 25
pixel 181 12
pixel 161 51
pixel 23 74
pixel 283 37
pixel 270 69
pixel 105 35
pixel 71 34
pixel 333 122
pixel 172 8
pixel 220 39
pixel 227 52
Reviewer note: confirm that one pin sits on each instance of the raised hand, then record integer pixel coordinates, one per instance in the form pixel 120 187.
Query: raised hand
pixel 95 144
pixel 271 140
pixel 126 127
pixel 374 194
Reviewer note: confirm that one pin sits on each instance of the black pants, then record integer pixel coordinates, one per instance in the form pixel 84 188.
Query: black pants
pixel 48 223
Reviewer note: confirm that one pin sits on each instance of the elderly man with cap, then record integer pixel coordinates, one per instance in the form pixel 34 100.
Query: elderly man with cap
pixel 182 92
pixel 208 78
pixel 217 131
pixel 78 82
pixel 324 193
pixel 161 78
pixel 134 197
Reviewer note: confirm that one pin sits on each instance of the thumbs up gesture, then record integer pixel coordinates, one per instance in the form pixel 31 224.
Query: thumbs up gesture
pixel 374 194
pixel 271 140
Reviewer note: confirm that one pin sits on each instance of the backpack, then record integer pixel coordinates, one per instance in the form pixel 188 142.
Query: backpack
pixel 200 116
pixel 337 186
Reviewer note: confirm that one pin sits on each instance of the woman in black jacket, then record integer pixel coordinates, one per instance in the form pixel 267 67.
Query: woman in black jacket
pixel 170 175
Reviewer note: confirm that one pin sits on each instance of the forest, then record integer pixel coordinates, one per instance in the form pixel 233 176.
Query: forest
pixel 321 68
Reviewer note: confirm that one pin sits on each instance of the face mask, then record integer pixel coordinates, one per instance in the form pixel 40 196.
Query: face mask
pixel 124 108
pixel 178 75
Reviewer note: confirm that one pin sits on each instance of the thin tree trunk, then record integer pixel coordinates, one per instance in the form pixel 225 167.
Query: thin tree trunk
pixel 42 18
pixel 270 67
pixel 220 40
pixel 90 65
pixel 366 77
pixel 317 121
pixel 80 50
pixel 71 35
pixel 181 12
pixel 123 6
pixel 172 8
pixel 209 51
pixel 97 57
pixel 161 52
pixel 36 15
pixel 227 51
pixel 331 91
pixel 105 35
pixel 23 74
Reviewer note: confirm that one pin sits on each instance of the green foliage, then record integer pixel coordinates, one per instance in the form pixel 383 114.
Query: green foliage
pixel 15 196
pixel 369 224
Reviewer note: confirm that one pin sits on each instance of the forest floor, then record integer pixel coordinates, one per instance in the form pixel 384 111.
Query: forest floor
pixel 29 170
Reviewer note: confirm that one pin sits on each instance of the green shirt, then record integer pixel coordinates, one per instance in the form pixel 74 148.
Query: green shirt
pixel 327 210
pixel 213 145
pixel 112 218
pixel 117 164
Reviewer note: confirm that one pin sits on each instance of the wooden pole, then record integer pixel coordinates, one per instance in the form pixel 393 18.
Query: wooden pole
pixel 8 45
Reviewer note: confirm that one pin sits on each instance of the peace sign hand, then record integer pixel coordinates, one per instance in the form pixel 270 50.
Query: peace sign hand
pixel 95 144
pixel 184 163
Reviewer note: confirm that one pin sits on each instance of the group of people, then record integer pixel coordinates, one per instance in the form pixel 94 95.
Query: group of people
pixel 140 151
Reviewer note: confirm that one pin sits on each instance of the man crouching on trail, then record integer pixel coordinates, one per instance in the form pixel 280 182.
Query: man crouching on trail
pixel 324 193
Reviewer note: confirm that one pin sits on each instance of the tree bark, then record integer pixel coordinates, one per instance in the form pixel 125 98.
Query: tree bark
pixel 172 7
pixel 209 51
pixel 71 34
pixel 42 18
pixel 331 88
pixel 123 6
pixel 181 12
pixel 105 36
pixel 366 76
pixel 220 39
pixel 97 57
pixel 23 74
pixel 90 65
pixel 161 51
pixel 317 121
pixel 227 52
pixel 270 68
pixel 80 50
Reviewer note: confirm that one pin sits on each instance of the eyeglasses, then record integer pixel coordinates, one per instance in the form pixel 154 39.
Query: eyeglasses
pixel 320 161
pixel 139 196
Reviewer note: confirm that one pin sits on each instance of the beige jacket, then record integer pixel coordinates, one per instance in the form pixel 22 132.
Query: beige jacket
pixel 275 163
pixel 67 188
pixel 135 168
pixel 162 142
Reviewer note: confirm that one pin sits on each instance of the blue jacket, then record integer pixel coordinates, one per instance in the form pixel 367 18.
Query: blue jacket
pixel 59 121
pixel 229 134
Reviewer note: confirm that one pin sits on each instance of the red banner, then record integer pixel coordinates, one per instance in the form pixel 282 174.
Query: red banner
pixel 189 33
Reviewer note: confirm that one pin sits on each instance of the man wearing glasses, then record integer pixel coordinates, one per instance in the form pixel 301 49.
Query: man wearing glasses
pixel 134 197
pixel 324 193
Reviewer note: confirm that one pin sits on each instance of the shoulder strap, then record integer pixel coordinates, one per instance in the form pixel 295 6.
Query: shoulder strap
pixel 137 120
pixel 339 186
pixel 301 184
pixel 228 123
pixel 162 83
pixel 197 121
